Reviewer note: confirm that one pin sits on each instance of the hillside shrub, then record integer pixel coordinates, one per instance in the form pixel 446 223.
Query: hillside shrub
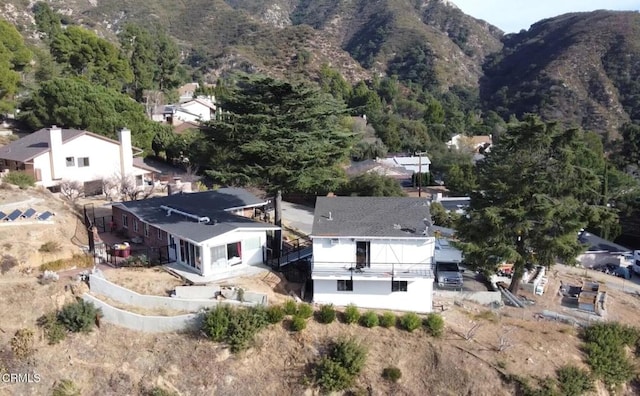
pixel 574 381
pixel 158 391
pixel 20 179
pixel 235 326
pixel 65 387
pixel 337 370
pixel 290 307
pixel 326 314
pixel 7 262
pixel 77 260
pixel 216 322
pixel 388 320
pixel 298 323
pixel 22 343
pixel 304 310
pixel 369 319
pixel 606 354
pixel 351 314
pixel 79 316
pixel 50 247
pixel 392 374
pixel 275 314
pixel 410 322
pixel 434 324
pixel 53 329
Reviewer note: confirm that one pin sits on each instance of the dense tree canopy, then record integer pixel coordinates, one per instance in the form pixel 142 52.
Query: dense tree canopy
pixel 538 191
pixel 76 103
pixel 372 185
pixel 14 58
pixel 283 136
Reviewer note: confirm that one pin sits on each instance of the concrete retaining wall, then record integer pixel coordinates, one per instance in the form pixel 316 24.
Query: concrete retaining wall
pixel 99 285
pixel 481 297
pixel 149 324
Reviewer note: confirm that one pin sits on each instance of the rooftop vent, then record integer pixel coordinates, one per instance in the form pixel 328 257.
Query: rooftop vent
pixel 330 218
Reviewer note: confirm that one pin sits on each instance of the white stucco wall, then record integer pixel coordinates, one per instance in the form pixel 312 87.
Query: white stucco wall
pixel 249 256
pixel 390 251
pixel 591 259
pixel 104 160
pixel 203 112
pixel 376 294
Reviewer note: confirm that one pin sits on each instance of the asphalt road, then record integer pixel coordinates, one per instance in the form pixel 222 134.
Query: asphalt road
pixel 297 216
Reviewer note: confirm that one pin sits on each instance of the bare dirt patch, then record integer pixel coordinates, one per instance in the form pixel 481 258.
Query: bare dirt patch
pixel 23 238
pixel 274 285
pixel 152 281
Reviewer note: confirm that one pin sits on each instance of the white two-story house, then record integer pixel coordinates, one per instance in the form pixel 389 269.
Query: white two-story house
pixel 54 154
pixel 374 252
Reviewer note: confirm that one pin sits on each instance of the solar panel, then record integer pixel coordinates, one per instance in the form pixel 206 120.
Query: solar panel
pixel 29 213
pixel 45 216
pixel 2 215
pixel 14 215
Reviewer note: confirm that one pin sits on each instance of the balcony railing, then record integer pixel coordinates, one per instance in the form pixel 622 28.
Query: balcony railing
pixel 375 270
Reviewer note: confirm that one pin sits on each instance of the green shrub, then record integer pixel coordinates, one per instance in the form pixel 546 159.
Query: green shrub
pixel 290 307
pixel 392 374
pixel 369 319
pixel 244 324
pixel 77 260
pixel 65 388
pixel 327 314
pixel 49 247
pixel 7 262
pixel 574 381
pixel 304 310
pixel 298 323
pixel 351 314
pixel 22 343
pixel 606 354
pixel 275 314
pixel 79 316
pixel 216 322
pixel 344 362
pixel 434 324
pixel 410 321
pixel 53 329
pixel 388 320
pixel 158 391
pixel 20 179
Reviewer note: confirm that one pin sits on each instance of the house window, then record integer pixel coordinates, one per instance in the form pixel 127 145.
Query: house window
pixel 363 254
pixel 145 226
pixel 219 256
pixel 70 161
pixel 159 233
pixel 234 253
pixel 190 254
pixel 345 285
pixel 399 286
pixel 83 162
pixel 135 226
pixel 125 221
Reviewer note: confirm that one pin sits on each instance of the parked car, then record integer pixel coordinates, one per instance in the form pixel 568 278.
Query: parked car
pixel 615 270
pixel 449 275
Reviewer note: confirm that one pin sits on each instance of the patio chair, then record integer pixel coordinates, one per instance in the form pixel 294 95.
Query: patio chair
pixel 14 215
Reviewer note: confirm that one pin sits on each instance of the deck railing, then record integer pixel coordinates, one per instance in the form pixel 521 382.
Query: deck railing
pixel 375 270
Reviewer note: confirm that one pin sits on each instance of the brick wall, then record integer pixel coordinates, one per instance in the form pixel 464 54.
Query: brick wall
pixel 151 240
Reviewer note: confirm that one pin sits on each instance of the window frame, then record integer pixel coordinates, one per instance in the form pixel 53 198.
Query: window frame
pixel 344 285
pixel 83 162
pixel 145 229
pixel 125 221
pixel 399 286
pixel 71 161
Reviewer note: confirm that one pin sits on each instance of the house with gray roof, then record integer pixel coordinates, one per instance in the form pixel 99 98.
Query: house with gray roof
pixel 599 251
pixel 54 154
pixel 209 233
pixel 374 252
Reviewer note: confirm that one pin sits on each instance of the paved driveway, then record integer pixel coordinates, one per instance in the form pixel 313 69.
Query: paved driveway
pixel 297 216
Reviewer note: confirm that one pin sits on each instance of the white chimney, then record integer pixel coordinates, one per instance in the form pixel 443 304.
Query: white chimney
pixel 126 152
pixel 56 155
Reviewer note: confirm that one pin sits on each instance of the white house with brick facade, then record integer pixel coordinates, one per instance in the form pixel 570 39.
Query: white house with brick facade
pixel 374 252
pixel 209 233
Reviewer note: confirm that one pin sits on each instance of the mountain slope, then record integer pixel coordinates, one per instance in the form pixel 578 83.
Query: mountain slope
pixel 581 68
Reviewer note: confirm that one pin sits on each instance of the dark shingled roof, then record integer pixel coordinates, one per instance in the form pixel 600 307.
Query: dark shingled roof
pixel 401 217
pixel 596 244
pixel 212 204
pixel 34 144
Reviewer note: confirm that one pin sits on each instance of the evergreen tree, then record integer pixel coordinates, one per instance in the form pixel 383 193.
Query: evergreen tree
pixel 535 196
pixel 14 58
pixel 280 135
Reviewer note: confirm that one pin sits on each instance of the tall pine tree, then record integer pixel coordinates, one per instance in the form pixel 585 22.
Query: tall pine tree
pixel 537 190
